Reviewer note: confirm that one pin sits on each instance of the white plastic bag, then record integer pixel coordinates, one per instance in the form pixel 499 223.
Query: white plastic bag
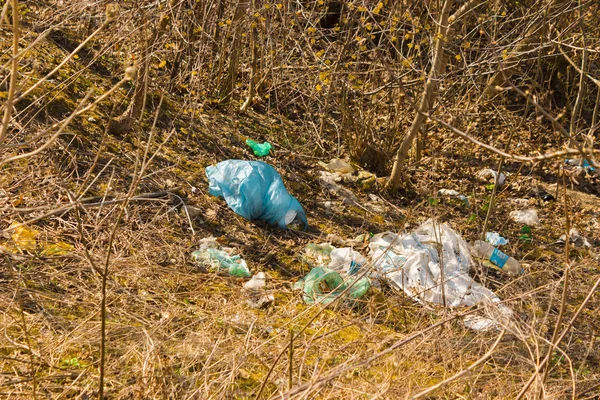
pixel 339 166
pixel 411 263
pixel 346 260
pixel 525 217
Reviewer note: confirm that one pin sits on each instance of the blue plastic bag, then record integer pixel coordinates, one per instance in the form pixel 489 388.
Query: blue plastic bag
pixel 254 190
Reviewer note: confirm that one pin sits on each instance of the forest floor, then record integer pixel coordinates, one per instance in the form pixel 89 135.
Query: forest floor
pixel 177 330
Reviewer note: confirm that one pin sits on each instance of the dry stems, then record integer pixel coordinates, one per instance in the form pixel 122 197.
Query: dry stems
pixel 126 315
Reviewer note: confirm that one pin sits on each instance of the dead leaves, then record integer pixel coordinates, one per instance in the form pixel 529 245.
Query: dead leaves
pixel 23 239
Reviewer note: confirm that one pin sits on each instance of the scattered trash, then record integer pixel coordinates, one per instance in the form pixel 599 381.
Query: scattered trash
pixel 525 234
pixel 259 149
pixel 362 239
pixel 505 262
pixel 212 255
pixel 454 194
pixel 541 193
pixel 490 174
pixel 323 285
pixel 257 282
pixel 254 190
pixel 190 211
pixel 577 162
pixel 346 260
pixel 328 207
pixel 337 165
pixel 412 263
pixel 575 238
pixel 526 217
pixel 318 254
pixel 329 180
pixel 495 239
pixel 255 289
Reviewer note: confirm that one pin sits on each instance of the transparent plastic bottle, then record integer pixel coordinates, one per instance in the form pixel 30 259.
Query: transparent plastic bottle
pixel 505 262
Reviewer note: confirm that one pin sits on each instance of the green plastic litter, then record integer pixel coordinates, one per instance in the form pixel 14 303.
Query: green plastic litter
pixel 323 286
pixel 219 259
pixel 259 149
pixel 318 254
pixel 525 235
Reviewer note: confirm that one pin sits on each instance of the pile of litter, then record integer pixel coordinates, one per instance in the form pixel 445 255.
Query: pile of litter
pixel 430 265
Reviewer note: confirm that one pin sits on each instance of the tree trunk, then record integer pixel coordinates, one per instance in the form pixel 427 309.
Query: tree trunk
pixel 253 70
pixel 426 99
pixel 229 83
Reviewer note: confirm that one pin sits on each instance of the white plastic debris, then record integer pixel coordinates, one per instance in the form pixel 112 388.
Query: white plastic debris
pixel 580 165
pixel 490 174
pixel 411 263
pixel 453 194
pixel 329 180
pixel 526 217
pixel 576 239
pixel 257 282
pixel 339 166
pixel 495 239
pixel 255 290
pixel 346 260
pixel 212 255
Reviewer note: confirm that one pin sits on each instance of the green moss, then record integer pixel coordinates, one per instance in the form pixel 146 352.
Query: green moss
pixel 349 334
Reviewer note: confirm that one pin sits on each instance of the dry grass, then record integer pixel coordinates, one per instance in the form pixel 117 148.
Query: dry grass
pixel 176 331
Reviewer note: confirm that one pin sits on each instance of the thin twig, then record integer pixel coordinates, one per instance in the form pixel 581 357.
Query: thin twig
pixel 8 105
pixel 541 365
pixel 464 371
pixel 543 157
pixel 65 123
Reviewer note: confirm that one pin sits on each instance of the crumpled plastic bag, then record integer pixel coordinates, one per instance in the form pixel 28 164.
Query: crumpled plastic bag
pixel 346 260
pixel 412 263
pixel 495 239
pixel 527 217
pixel 491 174
pixel 323 285
pixel 339 166
pixel 254 190
pixel 329 181
pixel 213 255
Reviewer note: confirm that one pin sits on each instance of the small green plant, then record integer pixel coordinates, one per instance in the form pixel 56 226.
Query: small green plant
pixel 72 362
